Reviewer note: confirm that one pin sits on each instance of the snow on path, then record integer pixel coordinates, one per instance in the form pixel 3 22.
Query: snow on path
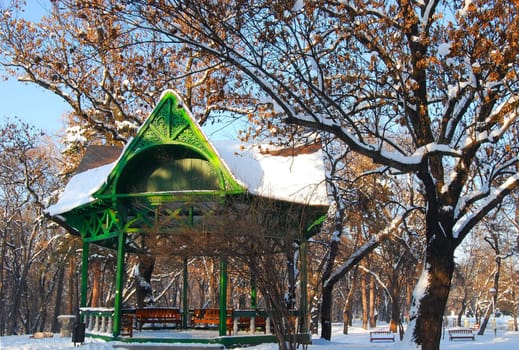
pixel 357 339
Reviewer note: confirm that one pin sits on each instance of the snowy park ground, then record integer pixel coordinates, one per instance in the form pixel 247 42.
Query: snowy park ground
pixel 357 339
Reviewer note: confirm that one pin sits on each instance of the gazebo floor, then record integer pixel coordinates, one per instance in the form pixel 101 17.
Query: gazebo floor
pixel 206 339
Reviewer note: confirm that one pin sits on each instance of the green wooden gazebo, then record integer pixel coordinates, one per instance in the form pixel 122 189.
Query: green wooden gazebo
pixel 170 166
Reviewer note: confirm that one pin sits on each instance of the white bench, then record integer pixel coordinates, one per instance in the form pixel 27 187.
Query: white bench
pixel 461 333
pixel 381 336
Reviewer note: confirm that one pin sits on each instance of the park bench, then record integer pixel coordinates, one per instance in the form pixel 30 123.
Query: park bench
pixel 381 336
pixel 461 333
pixel 244 323
pixel 209 318
pixel 158 315
pixel 127 325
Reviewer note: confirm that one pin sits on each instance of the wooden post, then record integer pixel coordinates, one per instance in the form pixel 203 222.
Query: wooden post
pixel 253 293
pixel 119 284
pixel 84 277
pixel 185 290
pixel 303 304
pixel 223 297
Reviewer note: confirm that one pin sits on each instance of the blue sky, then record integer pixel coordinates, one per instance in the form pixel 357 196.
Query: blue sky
pixel 45 110
pixel 32 104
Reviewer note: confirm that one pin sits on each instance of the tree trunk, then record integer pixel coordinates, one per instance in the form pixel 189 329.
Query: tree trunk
pixel 372 313
pixel 96 283
pixel 314 317
pixel 144 291
pixel 326 312
pixel 363 290
pixel 3 289
pixel 58 300
pixel 20 290
pixel 346 312
pixel 494 243
pixel 290 298
pixel 71 282
pixel 327 298
pixel 430 295
pixel 395 306
pixel 463 307
pixel 213 282
pixel 484 324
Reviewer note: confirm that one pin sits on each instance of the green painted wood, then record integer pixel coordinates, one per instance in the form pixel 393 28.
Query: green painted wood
pixel 227 341
pixel 119 284
pixel 303 303
pixel 185 292
pixel 222 327
pixel 253 292
pixel 180 167
pixel 84 276
pixel 169 160
pixel 172 146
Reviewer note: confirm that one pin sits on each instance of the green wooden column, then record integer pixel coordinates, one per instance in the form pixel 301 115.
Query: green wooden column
pixel 84 277
pixel 304 285
pixel 119 283
pixel 223 297
pixel 185 290
pixel 253 293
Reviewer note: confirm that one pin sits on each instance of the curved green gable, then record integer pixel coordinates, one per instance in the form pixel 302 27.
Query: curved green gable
pixel 169 153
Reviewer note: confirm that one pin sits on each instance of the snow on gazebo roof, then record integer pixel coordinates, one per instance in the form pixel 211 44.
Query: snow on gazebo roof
pixel 296 175
pixel 298 178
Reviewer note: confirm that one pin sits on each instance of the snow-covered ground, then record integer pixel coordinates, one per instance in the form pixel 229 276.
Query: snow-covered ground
pixel 357 339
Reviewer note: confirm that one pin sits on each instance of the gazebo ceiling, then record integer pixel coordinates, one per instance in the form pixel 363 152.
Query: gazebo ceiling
pixel 168 168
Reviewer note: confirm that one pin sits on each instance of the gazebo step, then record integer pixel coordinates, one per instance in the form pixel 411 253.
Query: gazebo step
pixel 177 346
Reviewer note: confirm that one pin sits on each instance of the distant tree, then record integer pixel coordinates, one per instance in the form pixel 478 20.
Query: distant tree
pixel 427 88
pixel 369 209
pixel 472 269
pixel 27 280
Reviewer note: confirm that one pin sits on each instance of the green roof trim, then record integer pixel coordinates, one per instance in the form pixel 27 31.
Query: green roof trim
pixel 172 130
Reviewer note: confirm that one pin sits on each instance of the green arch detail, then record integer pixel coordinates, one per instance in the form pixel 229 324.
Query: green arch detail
pixel 171 126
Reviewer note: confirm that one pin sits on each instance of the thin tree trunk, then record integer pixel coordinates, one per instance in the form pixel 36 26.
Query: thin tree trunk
pixel 144 291
pixel 71 281
pixel 346 312
pixel 327 297
pixel 395 304
pixel 463 307
pixel 290 298
pixel 3 306
pixel 372 317
pixel 96 283
pixel 213 282
pixel 494 243
pixel 484 324
pixel 58 300
pixel 364 296
pixel 20 290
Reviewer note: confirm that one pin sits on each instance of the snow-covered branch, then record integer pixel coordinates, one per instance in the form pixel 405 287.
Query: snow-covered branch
pixel 465 223
pixel 364 250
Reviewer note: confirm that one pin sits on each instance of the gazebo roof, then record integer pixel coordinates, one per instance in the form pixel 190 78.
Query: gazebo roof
pixel 297 177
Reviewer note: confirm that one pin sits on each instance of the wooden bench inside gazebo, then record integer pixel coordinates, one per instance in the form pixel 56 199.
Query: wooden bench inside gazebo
pixel 171 168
